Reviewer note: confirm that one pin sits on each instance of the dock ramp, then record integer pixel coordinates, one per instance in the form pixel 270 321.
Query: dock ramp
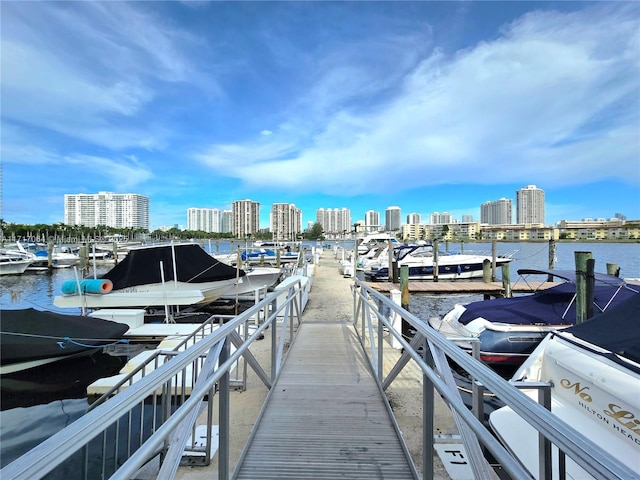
pixel 326 416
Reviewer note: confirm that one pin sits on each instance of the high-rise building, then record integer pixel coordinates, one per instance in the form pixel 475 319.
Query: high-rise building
pixel 203 219
pixel 467 218
pixel 285 221
pixel 372 221
pixel 246 218
pixel 414 219
pixel 498 212
pixel 334 220
pixel 117 210
pixel 226 221
pixel 392 216
pixel 443 218
pixel 530 205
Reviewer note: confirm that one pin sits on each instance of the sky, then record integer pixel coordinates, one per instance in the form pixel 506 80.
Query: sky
pixel 429 106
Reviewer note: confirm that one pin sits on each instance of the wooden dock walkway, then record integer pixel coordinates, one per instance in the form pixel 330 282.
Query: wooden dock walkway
pixel 325 417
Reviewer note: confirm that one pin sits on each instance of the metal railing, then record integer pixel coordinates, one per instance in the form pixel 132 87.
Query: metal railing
pixel 151 419
pixel 431 351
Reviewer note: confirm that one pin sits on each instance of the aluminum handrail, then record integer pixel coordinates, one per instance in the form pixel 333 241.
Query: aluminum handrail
pixel 55 450
pixel 574 444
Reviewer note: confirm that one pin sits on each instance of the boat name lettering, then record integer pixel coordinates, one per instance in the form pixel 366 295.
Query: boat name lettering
pixel 597 414
pixel 577 389
pixel 624 417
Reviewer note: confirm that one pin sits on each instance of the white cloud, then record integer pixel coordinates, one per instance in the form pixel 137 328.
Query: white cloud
pixel 543 101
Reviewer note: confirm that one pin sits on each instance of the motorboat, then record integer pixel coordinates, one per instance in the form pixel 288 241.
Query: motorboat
pixel 420 258
pixel 30 338
pixel 509 329
pixel 157 275
pixel 14 262
pixel 61 257
pixel 594 372
pixel 256 278
pixel 259 256
pixel 374 240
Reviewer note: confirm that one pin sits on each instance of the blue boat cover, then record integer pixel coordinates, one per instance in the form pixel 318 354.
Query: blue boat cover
pixel 553 306
pixel 617 329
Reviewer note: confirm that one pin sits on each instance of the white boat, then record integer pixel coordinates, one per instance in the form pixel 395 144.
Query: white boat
pixel 61 257
pixel 259 256
pixel 158 275
pixel 375 239
pixel 419 258
pixel 594 372
pixel 13 262
pixel 256 278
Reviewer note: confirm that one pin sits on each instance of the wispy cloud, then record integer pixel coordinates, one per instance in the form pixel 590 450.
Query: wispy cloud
pixel 311 100
pixel 547 100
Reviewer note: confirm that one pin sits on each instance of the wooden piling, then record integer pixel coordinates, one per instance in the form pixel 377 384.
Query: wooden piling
pixel 494 249
pixel 486 270
pixel 613 269
pixel 581 285
pixel 552 254
pixel 506 280
pixel 435 260
pixel 50 255
pixel 404 286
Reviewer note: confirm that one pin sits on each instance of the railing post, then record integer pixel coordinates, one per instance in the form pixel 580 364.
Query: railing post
pixel 380 349
pixel 428 414
pixel 274 341
pixel 544 466
pixel 223 414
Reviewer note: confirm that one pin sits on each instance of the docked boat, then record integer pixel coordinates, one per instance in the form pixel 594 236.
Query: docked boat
pixel 374 240
pixel 256 278
pixel 30 338
pixel 61 257
pixel 419 258
pixel 14 262
pixel 509 329
pixel 259 256
pixel 158 275
pixel 594 372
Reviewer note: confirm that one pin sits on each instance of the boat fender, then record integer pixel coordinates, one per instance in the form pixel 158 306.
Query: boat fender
pixel 70 287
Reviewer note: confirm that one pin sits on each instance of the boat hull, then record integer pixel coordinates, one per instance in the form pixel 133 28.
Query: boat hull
pixel 30 338
pixel 456 271
pixel 155 295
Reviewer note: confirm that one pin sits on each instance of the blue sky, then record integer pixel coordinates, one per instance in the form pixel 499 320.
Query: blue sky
pixel 430 106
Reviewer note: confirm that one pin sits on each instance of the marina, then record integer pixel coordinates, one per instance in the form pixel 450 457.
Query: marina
pixel 333 307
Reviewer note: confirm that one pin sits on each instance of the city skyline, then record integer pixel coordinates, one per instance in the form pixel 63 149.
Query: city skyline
pixel 430 106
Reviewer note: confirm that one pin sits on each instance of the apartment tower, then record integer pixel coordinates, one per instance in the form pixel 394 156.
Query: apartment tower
pixel 530 205
pixel 372 221
pixel 203 220
pixel 498 212
pixel 246 218
pixel 116 210
pixel 334 220
pixel 285 221
pixel 392 216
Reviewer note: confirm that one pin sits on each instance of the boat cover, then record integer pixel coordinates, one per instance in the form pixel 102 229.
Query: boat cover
pixel 30 334
pixel 617 329
pixel 570 276
pixel 546 307
pixel 141 266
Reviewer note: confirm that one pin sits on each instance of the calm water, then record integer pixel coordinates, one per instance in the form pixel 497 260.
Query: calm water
pixel 37 404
